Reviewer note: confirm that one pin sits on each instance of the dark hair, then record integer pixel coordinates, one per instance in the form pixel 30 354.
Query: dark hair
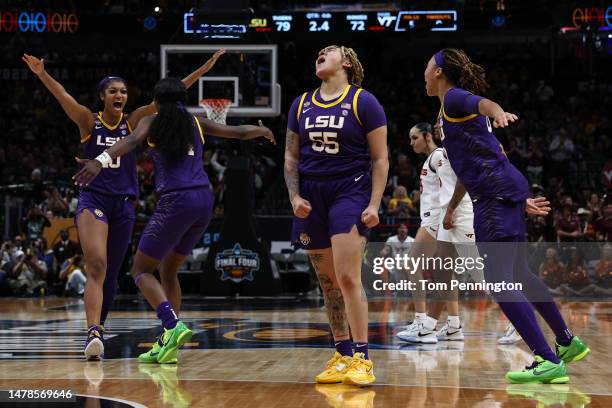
pixel 425 128
pixel 172 129
pixel 103 84
pixel 461 71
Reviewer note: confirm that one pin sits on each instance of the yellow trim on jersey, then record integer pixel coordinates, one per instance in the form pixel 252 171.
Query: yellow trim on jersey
pixel 85 138
pixel 456 120
pixel 110 127
pixel 200 128
pixel 355 97
pixel 128 125
pixel 151 144
pixel 329 105
pixel 299 111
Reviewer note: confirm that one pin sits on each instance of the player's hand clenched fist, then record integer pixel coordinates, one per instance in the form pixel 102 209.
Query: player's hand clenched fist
pixel 369 217
pixel 301 207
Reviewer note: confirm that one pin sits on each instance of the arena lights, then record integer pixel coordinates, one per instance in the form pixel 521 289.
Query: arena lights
pixel 602 16
pixel 38 22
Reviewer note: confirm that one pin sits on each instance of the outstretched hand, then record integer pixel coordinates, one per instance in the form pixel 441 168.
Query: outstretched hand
pixel 267 133
pixel 91 168
pixel 208 65
pixel 502 119
pixel 537 206
pixel 36 65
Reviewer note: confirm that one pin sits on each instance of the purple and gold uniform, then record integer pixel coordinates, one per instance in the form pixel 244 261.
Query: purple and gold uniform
pixel 498 191
pixel 110 198
pixel 334 162
pixel 497 188
pixel 185 207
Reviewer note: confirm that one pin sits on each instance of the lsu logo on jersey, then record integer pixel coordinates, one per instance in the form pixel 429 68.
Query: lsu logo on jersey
pixel 108 140
pixel 325 121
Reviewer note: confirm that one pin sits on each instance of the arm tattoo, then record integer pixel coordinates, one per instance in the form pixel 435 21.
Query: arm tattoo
pixel 334 302
pixel 292 178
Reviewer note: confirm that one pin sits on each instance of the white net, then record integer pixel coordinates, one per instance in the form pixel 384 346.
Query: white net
pixel 216 109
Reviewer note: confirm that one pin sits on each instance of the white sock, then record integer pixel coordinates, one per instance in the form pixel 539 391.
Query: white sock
pixel 430 323
pixel 453 321
pixel 420 316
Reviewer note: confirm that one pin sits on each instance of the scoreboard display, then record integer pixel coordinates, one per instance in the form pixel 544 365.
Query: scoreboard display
pixel 326 22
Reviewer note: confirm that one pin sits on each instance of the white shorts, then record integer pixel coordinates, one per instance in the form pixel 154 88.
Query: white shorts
pixel 462 232
pixel 431 222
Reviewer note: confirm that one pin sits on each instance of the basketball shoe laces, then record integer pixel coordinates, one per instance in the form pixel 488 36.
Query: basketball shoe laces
pixel 332 362
pixel 359 365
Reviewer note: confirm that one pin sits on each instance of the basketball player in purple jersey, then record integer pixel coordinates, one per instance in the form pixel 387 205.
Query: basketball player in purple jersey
pixel 336 169
pixel 500 197
pixel 186 201
pixel 105 216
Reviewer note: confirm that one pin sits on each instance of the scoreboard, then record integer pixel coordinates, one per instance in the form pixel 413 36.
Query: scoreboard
pixel 326 22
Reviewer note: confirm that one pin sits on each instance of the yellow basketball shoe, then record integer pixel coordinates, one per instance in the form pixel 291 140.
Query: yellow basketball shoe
pixel 335 369
pixel 360 372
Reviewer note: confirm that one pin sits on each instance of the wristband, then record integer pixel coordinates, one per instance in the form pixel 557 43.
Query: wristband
pixel 105 159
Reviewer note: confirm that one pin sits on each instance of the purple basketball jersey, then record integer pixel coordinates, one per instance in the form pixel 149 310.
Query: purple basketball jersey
pixel 120 177
pixel 475 154
pixel 184 173
pixel 333 133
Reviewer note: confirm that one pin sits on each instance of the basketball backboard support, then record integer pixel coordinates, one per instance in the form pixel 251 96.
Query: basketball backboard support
pixel 246 74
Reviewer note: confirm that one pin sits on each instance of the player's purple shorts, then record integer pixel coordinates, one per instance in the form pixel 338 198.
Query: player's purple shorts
pixel 337 205
pixel 108 208
pixel 499 220
pixel 180 219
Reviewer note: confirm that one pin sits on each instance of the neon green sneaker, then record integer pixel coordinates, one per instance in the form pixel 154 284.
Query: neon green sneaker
pixel 171 341
pixel 576 350
pixel 150 357
pixel 541 371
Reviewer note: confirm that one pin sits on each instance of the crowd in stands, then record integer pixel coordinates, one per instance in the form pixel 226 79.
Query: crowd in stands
pixel 577 276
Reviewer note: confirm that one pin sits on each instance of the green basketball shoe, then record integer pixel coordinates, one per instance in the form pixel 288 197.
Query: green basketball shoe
pixel 171 341
pixel 541 371
pixel 576 350
pixel 150 356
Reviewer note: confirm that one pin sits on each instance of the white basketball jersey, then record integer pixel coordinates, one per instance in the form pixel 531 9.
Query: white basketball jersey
pixel 448 179
pixel 430 188
pixel 398 247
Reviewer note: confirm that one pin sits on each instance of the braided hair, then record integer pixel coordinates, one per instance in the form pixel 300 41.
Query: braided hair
pixel 461 71
pixel 355 71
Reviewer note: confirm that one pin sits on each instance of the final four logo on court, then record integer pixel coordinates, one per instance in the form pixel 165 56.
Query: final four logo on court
pixel 237 264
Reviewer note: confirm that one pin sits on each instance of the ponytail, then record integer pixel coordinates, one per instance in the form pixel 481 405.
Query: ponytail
pixel 461 71
pixel 172 130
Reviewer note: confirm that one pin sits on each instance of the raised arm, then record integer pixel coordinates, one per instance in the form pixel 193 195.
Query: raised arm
pixel 189 80
pixel 91 168
pixel 377 141
pixel 79 114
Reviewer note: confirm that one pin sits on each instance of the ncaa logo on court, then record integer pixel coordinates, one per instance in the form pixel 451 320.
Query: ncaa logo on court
pixel 98 212
pixel 304 238
pixel 237 264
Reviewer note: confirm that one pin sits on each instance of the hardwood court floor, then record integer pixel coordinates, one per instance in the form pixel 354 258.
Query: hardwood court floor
pixel 255 353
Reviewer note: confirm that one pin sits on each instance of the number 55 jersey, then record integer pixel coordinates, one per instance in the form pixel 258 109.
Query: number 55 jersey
pixel 334 162
pixel 333 133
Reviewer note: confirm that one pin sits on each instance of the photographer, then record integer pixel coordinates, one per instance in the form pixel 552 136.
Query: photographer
pixel 35 222
pixel 28 274
pixel 73 273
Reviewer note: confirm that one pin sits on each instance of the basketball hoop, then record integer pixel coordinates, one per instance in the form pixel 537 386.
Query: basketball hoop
pixel 216 109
